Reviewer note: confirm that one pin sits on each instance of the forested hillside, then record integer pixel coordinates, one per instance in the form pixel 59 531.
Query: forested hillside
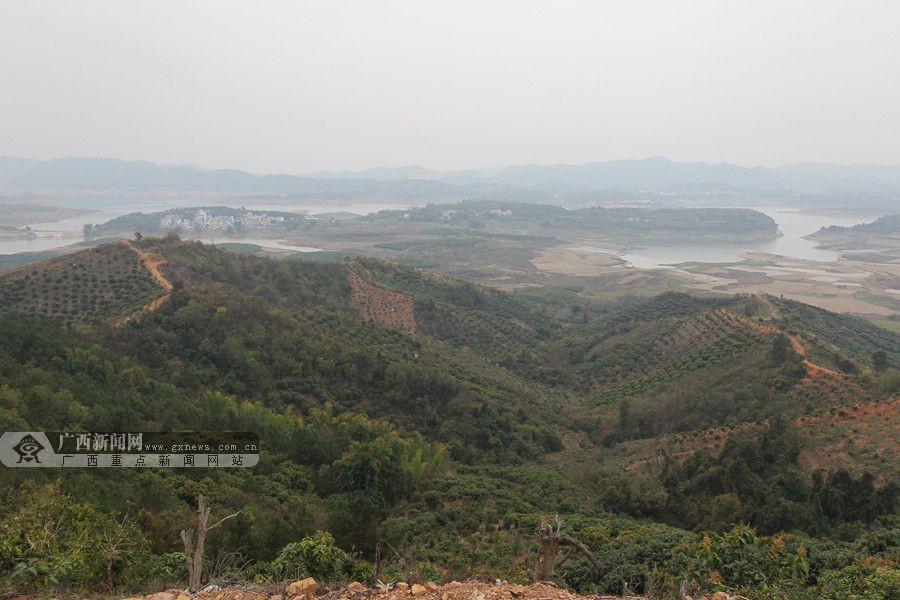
pixel 430 423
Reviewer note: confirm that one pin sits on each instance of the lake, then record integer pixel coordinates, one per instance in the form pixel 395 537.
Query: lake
pixel 61 233
pixel 794 225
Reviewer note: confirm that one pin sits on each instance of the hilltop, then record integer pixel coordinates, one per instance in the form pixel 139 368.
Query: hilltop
pixel 403 407
pixel 881 234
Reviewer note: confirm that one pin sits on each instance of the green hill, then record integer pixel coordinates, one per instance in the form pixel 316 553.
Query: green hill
pixel 399 408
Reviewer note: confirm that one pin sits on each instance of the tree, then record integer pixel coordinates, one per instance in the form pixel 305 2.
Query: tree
pixel 880 361
pixel 780 346
pixel 87 230
pixel 194 550
pixel 138 236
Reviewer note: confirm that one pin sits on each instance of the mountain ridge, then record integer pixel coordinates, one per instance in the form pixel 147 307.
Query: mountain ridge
pixel 654 173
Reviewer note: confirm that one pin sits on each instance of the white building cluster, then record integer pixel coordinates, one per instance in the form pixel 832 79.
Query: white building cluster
pixel 201 219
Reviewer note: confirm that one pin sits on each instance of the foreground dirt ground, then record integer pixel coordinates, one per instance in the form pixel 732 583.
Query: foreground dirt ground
pixel 307 589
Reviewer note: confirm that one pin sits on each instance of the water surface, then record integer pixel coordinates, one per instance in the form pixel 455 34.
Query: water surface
pixel 794 225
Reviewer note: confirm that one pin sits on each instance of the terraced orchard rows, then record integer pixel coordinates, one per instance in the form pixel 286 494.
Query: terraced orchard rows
pixel 95 285
pixel 671 351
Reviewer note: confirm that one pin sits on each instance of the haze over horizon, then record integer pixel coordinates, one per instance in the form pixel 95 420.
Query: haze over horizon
pixel 426 167
pixel 305 87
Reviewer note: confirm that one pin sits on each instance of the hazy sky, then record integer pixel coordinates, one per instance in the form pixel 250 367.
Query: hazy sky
pixel 298 86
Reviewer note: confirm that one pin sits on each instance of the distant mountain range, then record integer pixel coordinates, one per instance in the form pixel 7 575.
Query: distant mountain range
pixel 657 176
pixel 76 173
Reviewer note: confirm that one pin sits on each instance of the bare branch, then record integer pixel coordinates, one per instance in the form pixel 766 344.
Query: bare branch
pixel 567 539
pixel 563 558
pixel 211 527
pixel 550 537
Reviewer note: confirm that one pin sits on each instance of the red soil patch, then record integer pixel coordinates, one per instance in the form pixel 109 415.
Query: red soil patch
pixel 471 590
pixel 468 590
pixel 861 437
pixel 857 438
pixel 383 306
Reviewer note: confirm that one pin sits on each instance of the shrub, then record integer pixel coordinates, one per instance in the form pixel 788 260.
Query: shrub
pixel 159 569
pixel 859 581
pixel 50 540
pixel 317 556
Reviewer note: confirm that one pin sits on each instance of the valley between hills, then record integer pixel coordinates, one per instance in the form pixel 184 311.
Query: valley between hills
pixel 409 410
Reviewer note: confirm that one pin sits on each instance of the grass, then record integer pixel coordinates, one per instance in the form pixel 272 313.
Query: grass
pixel 754 262
pixel 878 300
pixel 891 325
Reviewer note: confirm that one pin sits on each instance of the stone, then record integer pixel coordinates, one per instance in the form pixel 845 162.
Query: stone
pixel 277 597
pixel 418 590
pixel 721 596
pixel 163 596
pixel 304 588
pixel 402 586
pixel 431 586
pixel 517 590
pixel 356 587
pixel 240 595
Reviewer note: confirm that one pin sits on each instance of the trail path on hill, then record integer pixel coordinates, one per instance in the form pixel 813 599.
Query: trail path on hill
pixel 152 263
pixel 812 369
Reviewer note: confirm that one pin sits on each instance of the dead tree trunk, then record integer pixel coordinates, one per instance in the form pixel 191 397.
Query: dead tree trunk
pixel 116 542
pixel 194 549
pixel 551 537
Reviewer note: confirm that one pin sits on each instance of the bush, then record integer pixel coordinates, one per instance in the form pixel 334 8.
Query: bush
pixel 160 570
pixel 860 581
pixel 50 540
pixel 741 559
pixel 318 557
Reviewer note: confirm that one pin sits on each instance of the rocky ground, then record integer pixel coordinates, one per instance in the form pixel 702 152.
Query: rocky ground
pixel 308 589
